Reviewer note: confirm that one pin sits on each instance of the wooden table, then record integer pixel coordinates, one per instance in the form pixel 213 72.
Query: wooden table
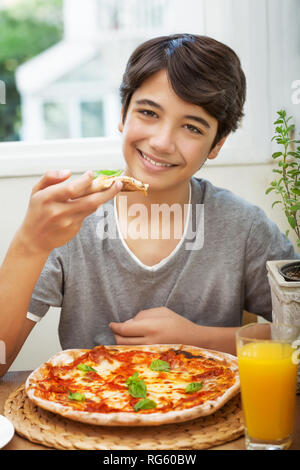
pixel 12 380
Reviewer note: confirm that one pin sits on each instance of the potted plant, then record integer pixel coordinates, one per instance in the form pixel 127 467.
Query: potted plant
pixel 284 275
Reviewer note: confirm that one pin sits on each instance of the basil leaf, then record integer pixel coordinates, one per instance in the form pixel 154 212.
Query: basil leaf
pixel 159 365
pixel 138 389
pixel 107 173
pixel 144 404
pixel 76 396
pixel 85 368
pixel 132 379
pixel 193 387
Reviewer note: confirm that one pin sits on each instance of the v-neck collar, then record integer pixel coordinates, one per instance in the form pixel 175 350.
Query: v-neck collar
pixel 165 260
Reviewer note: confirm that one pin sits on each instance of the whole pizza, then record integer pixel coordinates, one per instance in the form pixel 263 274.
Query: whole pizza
pixel 135 385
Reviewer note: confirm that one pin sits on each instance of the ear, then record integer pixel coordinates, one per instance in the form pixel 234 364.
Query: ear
pixel 215 151
pixel 121 124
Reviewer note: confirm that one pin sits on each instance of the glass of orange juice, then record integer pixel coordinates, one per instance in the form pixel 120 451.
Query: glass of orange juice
pixel 268 357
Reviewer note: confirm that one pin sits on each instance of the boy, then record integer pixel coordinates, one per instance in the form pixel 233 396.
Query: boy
pixel 181 97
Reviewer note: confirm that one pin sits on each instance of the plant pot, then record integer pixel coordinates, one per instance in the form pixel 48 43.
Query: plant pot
pixel 285 294
pixel 285 297
pixel 291 271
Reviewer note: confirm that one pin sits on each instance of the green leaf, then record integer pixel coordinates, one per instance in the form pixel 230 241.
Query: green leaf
pixel 144 404
pixel 159 365
pixel 282 141
pixel 269 190
pixel 282 113
pixel 193 387
pixel 282 164
pixel 107 173
pixel 277 154
pixel 276 202
pixel 132 378
pixel 85 368
pixel 292 221
pixel 76 396
pixel 136 387
pixel 295 208
pixel 296 191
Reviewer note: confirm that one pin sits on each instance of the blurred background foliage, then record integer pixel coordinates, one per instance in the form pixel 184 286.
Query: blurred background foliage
pixel 27 28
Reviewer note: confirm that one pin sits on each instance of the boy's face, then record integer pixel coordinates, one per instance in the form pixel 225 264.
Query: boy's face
pixel 165 139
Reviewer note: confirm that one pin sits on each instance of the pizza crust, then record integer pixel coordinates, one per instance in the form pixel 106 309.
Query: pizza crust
pixel 103 182
pixel 135 419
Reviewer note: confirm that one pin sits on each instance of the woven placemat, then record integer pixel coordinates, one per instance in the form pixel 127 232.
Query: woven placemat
pixel 51 430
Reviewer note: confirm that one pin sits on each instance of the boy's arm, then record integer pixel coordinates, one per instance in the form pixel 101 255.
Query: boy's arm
pixel 18 275
pixel 163 326
pixel 55 215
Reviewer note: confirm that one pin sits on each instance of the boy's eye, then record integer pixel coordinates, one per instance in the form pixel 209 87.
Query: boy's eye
pixel 147 112
pixel 193 129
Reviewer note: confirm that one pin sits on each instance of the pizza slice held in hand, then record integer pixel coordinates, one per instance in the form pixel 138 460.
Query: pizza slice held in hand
pixel 104 179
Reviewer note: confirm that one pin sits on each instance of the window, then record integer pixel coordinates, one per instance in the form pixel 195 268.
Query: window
pixel 56 122
pixel 70 90
pixel 92 119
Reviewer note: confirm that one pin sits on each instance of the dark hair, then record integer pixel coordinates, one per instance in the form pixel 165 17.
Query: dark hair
pixel 201 71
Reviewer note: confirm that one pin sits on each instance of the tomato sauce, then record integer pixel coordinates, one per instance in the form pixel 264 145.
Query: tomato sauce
pixel 63 379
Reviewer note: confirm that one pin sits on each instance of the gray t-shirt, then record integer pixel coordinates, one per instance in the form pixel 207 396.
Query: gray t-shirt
pixel 217 270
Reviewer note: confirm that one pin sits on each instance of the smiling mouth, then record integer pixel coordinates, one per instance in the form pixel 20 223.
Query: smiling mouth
pixel 160 164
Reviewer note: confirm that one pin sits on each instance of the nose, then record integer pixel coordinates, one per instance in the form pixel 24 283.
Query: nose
pixel 162 140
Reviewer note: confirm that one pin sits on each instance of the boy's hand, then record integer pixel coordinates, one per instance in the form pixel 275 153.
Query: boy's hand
pixel 156 326
pixel 56 210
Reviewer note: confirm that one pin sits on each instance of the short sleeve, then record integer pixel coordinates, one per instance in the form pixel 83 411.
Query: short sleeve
pixel 49 289
pixel 265 242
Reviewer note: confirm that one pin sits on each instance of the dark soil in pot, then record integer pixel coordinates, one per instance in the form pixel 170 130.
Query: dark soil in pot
pixel 291 271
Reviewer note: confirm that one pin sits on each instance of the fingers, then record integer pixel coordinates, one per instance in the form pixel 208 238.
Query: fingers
pixel 80 188
pixel 50 178
pixel 128 332
pixel 73 189
pixel 86 205
pixel 131 340
pixel 75 193
pixel 129 328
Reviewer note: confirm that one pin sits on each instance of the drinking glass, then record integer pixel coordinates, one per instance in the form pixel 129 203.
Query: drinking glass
pixel 268 357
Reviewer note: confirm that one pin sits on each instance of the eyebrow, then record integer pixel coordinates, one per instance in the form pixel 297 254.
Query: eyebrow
pixel 160 108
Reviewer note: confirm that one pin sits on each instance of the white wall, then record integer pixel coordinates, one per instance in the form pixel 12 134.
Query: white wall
pixel 43 341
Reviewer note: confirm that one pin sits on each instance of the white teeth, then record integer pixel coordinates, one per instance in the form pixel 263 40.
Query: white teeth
pixel 155 163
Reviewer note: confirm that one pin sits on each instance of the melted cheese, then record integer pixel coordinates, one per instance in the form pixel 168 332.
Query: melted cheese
pixel 105 389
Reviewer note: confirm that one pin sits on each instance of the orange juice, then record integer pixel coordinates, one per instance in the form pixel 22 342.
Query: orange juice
pixel 268 386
